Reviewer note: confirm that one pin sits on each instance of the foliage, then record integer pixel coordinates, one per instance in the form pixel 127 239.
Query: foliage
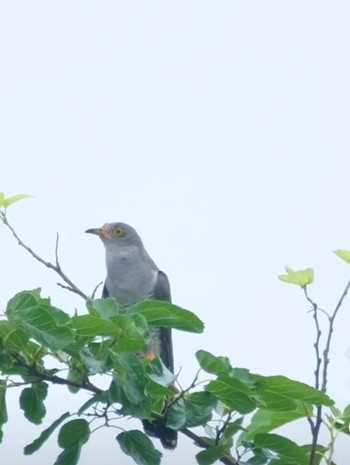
pixel 237 410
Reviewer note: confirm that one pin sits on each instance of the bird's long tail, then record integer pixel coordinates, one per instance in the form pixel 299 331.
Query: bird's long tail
pixel 157 428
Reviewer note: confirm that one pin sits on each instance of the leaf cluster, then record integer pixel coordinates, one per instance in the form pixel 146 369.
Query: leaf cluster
pixel 238 409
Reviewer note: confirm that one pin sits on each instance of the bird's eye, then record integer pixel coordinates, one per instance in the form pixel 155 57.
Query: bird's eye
pixel 119 231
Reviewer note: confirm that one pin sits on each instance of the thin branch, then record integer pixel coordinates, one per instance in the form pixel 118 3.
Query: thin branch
pixel 95 289
pixel 57 268
pixel 315 426
pixel 318 337
pixel 329 338
pixel 32 370
pixel 220 431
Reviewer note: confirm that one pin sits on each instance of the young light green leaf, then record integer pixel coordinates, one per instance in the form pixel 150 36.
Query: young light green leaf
pixel 2 198
pixel 301 278
pixel 37 443
pixel 74 432
pixel 31 402
pixel 343 254
pixel 138 446
pixel 285 448
pixel 167 315
pixel 211 455
pixel 7 201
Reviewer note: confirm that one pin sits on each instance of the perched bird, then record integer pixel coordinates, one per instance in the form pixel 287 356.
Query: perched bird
pixel 132 276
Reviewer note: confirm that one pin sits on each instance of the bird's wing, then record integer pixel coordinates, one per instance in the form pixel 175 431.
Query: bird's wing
pixel 162 292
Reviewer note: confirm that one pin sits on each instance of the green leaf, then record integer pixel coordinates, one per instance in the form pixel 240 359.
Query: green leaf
pixel 301 277
pixel 320 451
pixel 131 376
pixel 233 393
pixel 166 315
pixel 129 339
pixel 74 432
pixel 155 389
pixel 2 198
pixel 92 326
pixel 343 254
pixel 192 410
pixel 36 316
pixel 177 415
pixel 93 364
pixel 280 385
pixel 212 364
pixel 3 409
pixel 104 308
pixel 288 450
pixel 267 420
pixel 230 430
pixel 37 443
pixel 31 402
pixel 69 456
pixel 76 374
pixel 92 401
pixel 211 455
pixel 13 338
pixel 138 446
pixel 199 407
pixel 14 198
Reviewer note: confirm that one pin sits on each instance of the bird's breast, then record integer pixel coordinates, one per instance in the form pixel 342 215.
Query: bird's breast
pixel 130 279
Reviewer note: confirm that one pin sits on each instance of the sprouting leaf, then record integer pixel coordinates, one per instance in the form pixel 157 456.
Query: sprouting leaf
pixel 343 254
pixel 301 277
pixel 7 201
pixel 2 198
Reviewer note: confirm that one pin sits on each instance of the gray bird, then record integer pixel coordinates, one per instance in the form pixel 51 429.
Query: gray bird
pixel 132 276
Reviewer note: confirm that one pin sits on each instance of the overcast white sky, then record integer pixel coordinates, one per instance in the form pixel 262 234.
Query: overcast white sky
pixel 220 131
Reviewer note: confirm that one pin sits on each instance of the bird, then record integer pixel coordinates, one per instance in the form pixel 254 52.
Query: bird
pixel 132 276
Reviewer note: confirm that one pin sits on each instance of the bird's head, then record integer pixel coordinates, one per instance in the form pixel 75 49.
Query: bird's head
pixel 117 235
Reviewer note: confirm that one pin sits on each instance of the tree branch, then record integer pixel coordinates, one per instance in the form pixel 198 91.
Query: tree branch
pixel 57 267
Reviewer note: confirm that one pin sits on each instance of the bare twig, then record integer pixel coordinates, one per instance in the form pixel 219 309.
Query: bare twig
pixel 321 381
pixel 57 267
pixel 318 337
pixel 95 289
pixel 329 338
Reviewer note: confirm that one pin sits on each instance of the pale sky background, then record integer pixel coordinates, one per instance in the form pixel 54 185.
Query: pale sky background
pixel 220 131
